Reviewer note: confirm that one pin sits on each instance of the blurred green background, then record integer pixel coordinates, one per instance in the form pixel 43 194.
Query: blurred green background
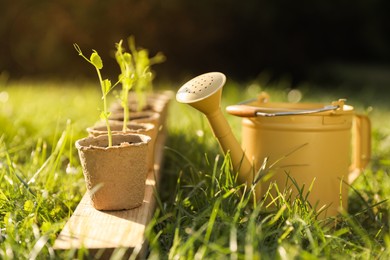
pixel 305 40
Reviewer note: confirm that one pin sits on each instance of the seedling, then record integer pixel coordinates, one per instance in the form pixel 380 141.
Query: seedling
pixel 142 65
pixel 105 86
pixel 127 77
pixel 135 72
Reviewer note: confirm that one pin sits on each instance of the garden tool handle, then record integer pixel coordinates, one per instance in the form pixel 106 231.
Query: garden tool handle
pixel 252 111
pixel 362 146
pixel 242 110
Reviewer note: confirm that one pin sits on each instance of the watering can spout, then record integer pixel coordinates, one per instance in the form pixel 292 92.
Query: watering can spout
pixel 204 94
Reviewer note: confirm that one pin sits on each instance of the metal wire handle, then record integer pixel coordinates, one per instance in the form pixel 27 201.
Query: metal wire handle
pixel 243 110
pixel 298 112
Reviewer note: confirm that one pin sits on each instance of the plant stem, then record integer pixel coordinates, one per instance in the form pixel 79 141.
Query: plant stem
pixel 125 110
pixel 105 108
pixel 126 77
pixel 105 86
pixel 109 133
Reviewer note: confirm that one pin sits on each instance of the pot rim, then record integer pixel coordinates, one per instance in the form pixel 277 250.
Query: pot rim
pixel 143 140
pixel 115 116
pixel 102 128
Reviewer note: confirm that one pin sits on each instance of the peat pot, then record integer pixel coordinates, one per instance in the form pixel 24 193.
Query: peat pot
pixel 155 102
pixel 132 128
pixel 115 176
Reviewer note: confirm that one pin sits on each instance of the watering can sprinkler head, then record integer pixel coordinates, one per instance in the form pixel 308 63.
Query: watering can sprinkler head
pixel 204 94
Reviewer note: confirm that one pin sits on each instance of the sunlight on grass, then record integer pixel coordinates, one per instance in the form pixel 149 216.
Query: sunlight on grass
pixel 41 180
pixel 202 212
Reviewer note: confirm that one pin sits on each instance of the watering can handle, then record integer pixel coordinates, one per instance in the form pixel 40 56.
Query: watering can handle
pixel 243 110
pixel 251 111
pixel 362 146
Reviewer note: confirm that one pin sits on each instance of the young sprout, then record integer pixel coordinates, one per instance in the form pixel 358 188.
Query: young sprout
pixel 127 78
pixel 143 74
pixel 105 85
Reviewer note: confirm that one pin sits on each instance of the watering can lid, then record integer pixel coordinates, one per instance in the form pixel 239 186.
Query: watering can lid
pixel 261 107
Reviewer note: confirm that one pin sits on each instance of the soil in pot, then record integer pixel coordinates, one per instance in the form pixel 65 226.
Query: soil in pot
pixel 115 176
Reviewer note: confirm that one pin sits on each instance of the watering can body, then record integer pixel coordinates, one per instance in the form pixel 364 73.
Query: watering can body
pixel 314 155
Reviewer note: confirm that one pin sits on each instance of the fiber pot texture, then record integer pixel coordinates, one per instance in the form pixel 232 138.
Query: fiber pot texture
pixel 115 176
pixel 132 128
pixel 155 102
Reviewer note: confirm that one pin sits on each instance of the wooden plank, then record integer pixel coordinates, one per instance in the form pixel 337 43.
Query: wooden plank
pixel 100 231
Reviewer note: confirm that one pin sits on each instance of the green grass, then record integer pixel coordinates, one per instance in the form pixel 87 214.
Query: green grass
pixel 40 177
pixel 202 212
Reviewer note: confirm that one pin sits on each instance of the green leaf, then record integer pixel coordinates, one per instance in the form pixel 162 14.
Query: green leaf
pixel 143 59
pixel 121 77
pixel 96 60
pixel 46 226
pixel 159 58
pixel 28 206
pixel 119 47
pixel 78 49
pixel 128 83
pixel 104 115
pixel 7 218
pixel 127 58
pixel 131 42
pixel 106 86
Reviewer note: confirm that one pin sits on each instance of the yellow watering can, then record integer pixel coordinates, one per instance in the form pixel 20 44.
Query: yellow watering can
pixel 314 145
